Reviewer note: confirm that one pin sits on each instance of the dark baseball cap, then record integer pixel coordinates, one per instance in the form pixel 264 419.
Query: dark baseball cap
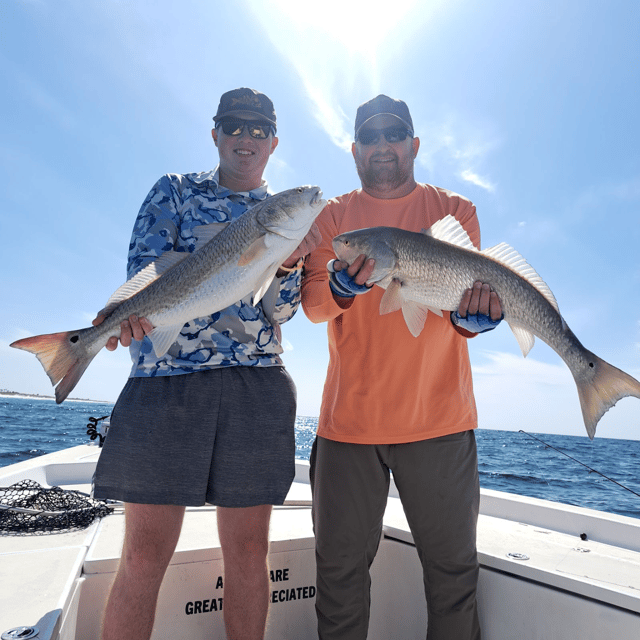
pixel 383 105
pixel 247 100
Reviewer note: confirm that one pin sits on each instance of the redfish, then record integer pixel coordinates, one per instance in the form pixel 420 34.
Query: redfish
pixel 429 271
pixel 229 262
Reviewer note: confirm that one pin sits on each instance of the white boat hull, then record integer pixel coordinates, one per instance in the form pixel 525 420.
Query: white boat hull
pixel 566 588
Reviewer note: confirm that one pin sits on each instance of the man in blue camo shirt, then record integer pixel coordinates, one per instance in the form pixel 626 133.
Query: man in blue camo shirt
pixel 212 420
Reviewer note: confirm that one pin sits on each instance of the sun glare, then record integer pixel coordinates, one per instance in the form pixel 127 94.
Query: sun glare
pixel 360 26
pixel 337 48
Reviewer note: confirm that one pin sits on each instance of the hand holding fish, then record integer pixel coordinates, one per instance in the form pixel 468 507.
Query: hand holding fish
pixel 134 328
pixel 347 281
pixel 479 310
pixel 480 299
pixel 308 244
pixel 360 269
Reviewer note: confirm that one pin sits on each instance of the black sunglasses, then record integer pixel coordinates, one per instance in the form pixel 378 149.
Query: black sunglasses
pixel 257 129
pixel 391 134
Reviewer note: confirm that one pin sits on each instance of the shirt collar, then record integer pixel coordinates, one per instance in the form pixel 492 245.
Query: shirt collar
pixel 260 193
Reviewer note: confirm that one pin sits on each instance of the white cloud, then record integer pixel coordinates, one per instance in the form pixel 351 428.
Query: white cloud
pixel 474 178
pixel 510 365
pixel 515 393
pixel 279 174
pixel 337 59
pixel 461 149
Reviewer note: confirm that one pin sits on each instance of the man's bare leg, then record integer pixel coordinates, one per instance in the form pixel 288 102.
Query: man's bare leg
pixel 151 535
pixel 244 537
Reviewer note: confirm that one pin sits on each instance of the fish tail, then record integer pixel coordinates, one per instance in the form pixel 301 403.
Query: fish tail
pixel 608 385
pixel 63 356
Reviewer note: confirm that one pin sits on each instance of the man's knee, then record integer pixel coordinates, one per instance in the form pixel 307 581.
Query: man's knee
pixel 151 536
pixel 146 559
pixel 247 548
pixel 244 535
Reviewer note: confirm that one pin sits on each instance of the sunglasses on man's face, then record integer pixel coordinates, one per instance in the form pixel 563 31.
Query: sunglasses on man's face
pixel 257 129
pixel 391 134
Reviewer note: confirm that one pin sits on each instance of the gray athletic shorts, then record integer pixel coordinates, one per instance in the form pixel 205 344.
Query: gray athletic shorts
pixel 223 436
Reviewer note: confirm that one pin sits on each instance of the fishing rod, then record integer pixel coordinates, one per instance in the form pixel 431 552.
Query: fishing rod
pixel 578 461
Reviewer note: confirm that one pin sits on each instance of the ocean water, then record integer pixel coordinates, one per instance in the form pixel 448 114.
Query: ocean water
pixel 507 460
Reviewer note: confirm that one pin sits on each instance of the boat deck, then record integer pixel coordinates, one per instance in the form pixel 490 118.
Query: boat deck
pixel 536 571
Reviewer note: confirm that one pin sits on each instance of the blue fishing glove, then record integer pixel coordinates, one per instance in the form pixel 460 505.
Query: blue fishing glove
pixel 476 323
pixel 342 284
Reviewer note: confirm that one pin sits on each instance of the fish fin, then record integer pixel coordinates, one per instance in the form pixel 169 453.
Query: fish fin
pixel 163 337
pixel 264 286
pixel 255 250
pixel 269 298
pixel 392 299
pixel 608 385
pixel 206 232
pixel 71 379
pixel 509 257
pixel 415 315
pixel 62 356
pixel 525 338
pixel 144 278
pixel 284 232
pixel 449 229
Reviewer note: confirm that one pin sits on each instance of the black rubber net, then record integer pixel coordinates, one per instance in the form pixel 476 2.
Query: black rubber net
pixel 28 508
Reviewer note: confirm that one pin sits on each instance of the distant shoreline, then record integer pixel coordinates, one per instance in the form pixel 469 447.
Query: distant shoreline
pixel 31 396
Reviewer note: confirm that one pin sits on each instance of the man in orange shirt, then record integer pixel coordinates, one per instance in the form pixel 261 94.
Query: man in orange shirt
pixel 392 401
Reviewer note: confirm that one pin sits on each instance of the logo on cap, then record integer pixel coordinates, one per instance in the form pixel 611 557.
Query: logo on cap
pixel 245 99
pixel 248 100
pixel 383 105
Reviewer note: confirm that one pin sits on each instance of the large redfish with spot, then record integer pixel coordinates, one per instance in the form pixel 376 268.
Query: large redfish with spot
pixel 229 262
pixel 430 271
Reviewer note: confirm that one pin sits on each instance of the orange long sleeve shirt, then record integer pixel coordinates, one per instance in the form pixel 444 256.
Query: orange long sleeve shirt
pixel 383 385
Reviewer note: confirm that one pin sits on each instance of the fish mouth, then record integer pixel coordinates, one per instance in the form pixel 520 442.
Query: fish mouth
pixel 316 195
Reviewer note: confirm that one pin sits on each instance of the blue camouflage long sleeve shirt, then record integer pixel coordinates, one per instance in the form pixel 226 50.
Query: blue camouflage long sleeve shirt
pixel 240 335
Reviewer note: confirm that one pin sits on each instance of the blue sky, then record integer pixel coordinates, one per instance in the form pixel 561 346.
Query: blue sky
pixel 530 109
